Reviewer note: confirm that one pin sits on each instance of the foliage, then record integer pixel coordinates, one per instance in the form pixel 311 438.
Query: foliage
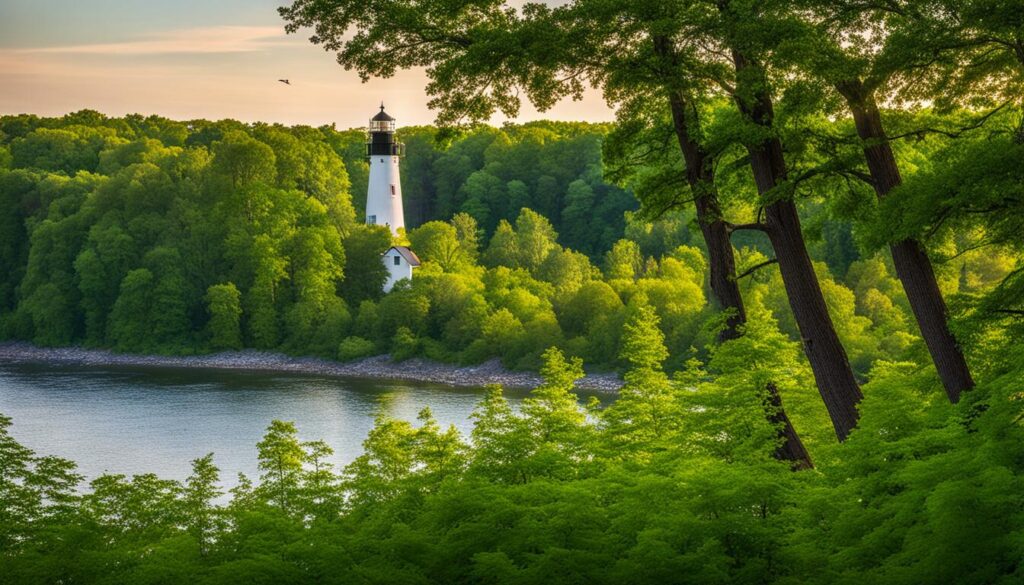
pixel 673 482
pixel 224 302
pixel 149 235
pixel 124 233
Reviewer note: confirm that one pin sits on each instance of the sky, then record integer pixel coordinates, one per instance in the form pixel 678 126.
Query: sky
pixel 186 59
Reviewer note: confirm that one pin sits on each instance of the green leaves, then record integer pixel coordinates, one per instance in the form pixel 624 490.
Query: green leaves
pixel 676 477
pixel 224 326
pixel 280 460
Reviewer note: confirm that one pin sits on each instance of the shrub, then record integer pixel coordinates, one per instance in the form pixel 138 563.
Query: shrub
pixel 355 347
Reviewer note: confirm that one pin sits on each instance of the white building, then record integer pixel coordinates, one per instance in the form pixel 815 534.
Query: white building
pixel 384 192
pixel 400 262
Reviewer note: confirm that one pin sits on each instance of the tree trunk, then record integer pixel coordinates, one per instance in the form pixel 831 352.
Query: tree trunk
pixel 831 367
pixel 913 267
pixel 721 262
pixel 790 448
pixel 722 266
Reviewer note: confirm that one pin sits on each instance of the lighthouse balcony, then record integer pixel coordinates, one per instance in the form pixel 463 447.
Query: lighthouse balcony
pixel 385 149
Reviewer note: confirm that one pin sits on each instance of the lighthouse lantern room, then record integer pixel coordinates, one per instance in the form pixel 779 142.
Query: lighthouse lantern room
pixel 384 192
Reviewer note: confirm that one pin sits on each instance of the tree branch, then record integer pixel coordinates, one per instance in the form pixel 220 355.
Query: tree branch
pixel 756 267
pixel 735 227
pixel 954 133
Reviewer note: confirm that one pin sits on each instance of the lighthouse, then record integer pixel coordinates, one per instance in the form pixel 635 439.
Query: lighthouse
pixel 384 193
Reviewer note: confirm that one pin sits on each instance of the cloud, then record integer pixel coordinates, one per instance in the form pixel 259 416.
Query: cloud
pixel 223 71
pixel 203 40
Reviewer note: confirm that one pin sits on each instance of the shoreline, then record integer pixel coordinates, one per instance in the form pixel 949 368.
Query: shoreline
pixel 375 367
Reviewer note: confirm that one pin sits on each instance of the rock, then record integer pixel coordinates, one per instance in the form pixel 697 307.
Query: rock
pixel 381 366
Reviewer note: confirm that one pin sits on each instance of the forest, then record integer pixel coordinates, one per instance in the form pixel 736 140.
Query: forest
pixel 800 244
pixel 149 235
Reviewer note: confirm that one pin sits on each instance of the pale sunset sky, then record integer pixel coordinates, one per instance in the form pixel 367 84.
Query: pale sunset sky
pixel 187 59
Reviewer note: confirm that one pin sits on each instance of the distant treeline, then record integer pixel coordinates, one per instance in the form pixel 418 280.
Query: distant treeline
pixel 147 234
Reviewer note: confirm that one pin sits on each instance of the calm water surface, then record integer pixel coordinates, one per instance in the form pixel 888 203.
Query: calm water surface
pixel 129 421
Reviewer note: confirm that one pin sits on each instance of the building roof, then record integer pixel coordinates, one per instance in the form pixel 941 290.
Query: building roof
pixel 406 253
pixel 382 116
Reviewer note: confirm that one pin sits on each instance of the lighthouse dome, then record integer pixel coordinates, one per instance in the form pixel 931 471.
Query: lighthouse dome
pixel 382 116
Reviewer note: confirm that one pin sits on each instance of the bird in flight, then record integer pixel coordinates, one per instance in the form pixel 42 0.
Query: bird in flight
pixel 285 81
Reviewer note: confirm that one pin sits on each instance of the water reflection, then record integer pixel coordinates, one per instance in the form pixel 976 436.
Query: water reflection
pixel 139 420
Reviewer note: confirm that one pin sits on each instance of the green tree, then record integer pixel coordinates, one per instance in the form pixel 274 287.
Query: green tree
pixel 99 269
pixel 14 249
pixel 623 261
pixel 535 239
pixel 503 249
pixel 501 440
pixel 224 304
pixel 468 234
pixel 484 197
pixel 387 462
pixel 323 495
pixel 280 457
pixel 364 272
pixel 243 160
pixel 577 216
pixel 168 321
pixel 261 299
pixel 203 518
pixel 68 150
pixel 438 242
pixel 129 325
pixel 556 421
pixel 647 412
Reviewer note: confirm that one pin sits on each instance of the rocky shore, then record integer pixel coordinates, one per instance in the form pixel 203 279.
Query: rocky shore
pixel 415 369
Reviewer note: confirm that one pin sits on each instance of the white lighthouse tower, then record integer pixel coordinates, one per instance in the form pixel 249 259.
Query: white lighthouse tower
pixel 384 194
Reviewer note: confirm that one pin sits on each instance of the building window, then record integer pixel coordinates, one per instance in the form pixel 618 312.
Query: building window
pixel 372 220
pixel 392 189
pixel 398 260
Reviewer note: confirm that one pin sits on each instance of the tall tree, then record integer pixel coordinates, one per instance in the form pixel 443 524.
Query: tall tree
pixel 438 242
pixel 697 42
pixel 862 50
pixel 735 27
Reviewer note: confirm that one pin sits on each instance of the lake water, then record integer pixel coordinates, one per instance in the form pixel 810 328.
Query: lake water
pixel 136 420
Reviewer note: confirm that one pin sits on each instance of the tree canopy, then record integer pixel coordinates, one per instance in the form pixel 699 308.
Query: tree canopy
pixel 805 225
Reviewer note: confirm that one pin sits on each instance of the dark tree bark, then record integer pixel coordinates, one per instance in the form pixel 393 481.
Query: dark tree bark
pixel 721 261
pixel 913 267
pixel 790 448
pixel 831 367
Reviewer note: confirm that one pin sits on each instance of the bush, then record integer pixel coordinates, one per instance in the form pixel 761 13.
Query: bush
pixel 354 347
pixel 404 345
